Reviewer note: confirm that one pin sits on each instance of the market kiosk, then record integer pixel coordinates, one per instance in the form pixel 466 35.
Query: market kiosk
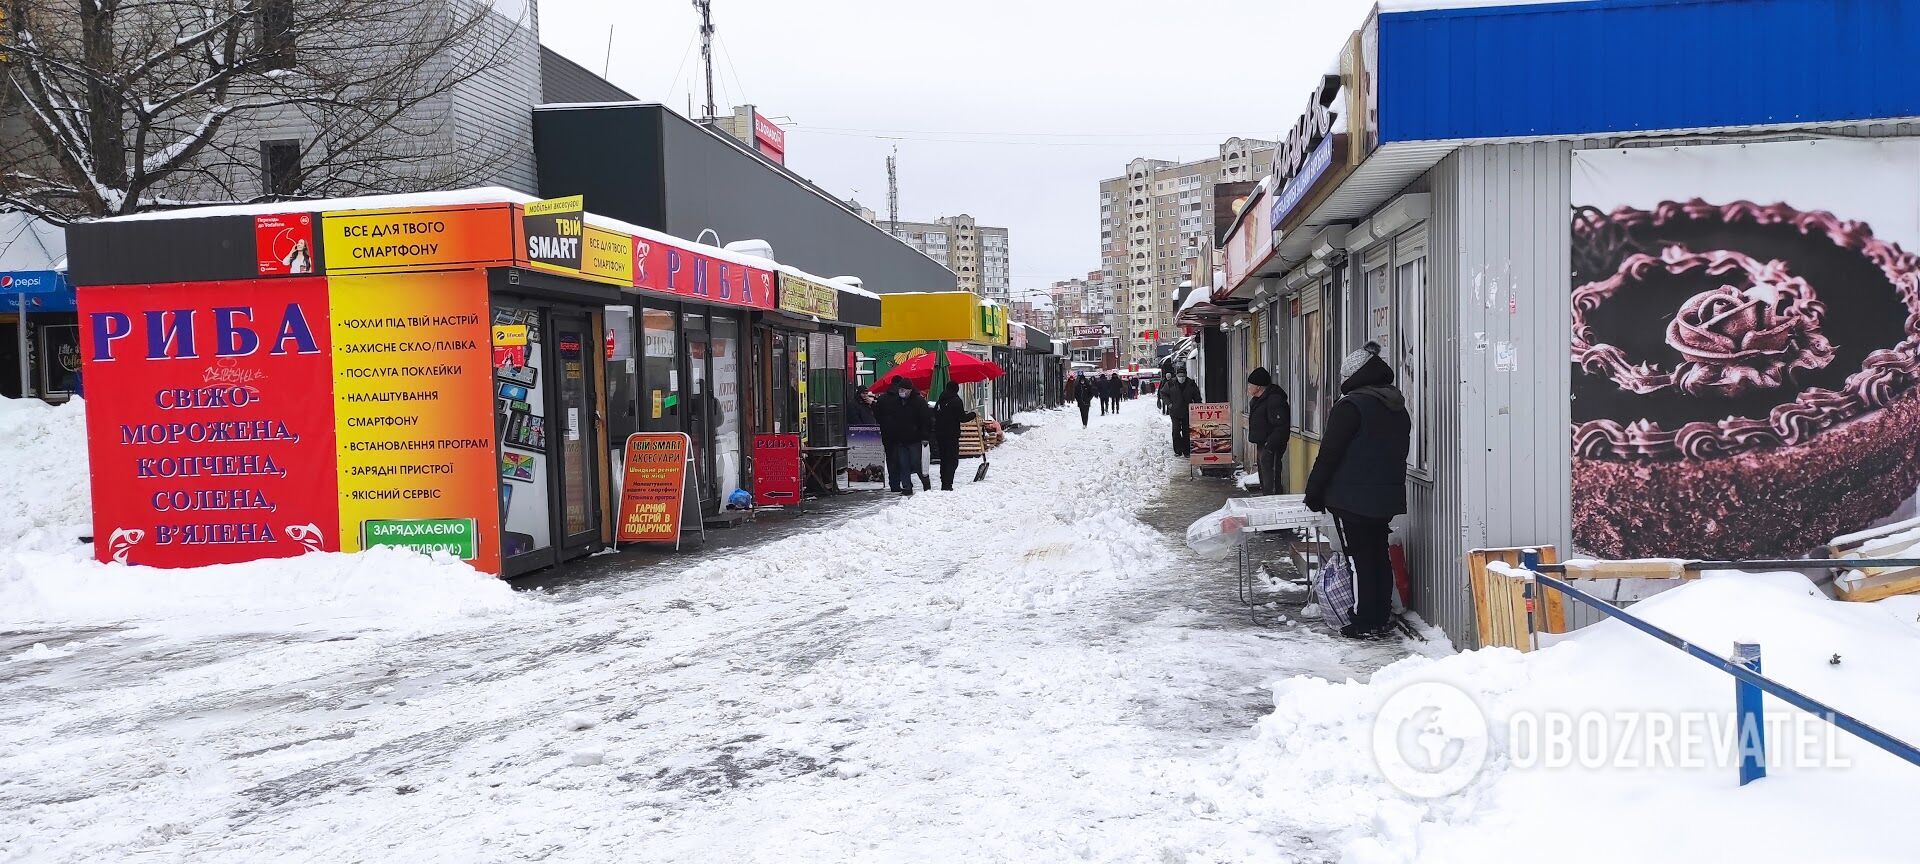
pixel 425 371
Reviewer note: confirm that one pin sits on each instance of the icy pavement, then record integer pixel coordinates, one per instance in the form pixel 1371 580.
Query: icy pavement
pixel 1010 672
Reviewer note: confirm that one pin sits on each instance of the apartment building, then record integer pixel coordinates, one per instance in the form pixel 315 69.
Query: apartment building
pixel 976 253
pixel 1153 219
pixel 1084 317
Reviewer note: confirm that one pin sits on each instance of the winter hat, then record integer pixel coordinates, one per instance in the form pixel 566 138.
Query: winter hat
pixel 1357 359
pixel 1260 377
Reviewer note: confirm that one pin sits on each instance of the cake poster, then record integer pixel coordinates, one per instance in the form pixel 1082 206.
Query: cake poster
pixel 1745 335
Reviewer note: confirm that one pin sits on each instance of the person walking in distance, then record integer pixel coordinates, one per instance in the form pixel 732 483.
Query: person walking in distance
pixel 902 413
pixel 1083 395
pixel 948 415
pixel 1180 393
pixel 1269 426
pixel 1114 389
pixel 1361 477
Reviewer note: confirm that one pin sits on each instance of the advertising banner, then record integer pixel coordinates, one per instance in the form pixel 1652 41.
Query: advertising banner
pixel 1745 346
pixel 210 436
pixel 683 272
pixel 413 403
pixel 776 469
pixel 363 241
pixel 1092 331
pixel 656 481
pixel 609 256
pixel 283 243
pixel 806 297
pixel 1210 433
pixel 554 229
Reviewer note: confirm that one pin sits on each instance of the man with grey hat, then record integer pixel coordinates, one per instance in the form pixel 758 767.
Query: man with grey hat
pixel 1269 426
pixel 1361 476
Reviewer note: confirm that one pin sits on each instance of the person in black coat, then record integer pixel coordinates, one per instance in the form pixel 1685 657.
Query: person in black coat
pixel 1179 393
pixel 1114 390
pixel 1269 427
pixel 948 416
pixel 903 417
pixel 1361 476
pixel 1083 395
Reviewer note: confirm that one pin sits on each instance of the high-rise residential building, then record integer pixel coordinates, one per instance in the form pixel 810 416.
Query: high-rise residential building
pixel 976 253
pixel 1154 218
pixel 1084 316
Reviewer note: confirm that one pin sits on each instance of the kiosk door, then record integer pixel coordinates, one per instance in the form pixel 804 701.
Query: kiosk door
pixel 578 521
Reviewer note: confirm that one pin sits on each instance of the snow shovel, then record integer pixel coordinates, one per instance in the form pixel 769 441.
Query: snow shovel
pixel 980 473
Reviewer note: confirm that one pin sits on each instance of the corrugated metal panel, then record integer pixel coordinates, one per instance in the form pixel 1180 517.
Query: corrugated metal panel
pixel 1435 551
pixel 1611 66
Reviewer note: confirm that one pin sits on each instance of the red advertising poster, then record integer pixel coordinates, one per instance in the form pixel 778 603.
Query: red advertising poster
pixel 776 470
pixel 1210 433
pixel 672 270
pixel 656 480
pixel 283 243
pixel 209 422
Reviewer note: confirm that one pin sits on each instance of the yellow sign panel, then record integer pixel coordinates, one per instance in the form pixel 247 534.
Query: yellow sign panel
pixel 806 297
pixel 608 256
pixel 553 206
pixel 509 335
pixel 408 239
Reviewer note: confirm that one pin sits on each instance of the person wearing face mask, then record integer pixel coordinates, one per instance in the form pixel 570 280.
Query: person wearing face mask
pixel 1180 393
pixel 903 416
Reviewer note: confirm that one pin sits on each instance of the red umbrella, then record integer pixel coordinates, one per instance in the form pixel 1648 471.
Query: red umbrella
pixel 961 369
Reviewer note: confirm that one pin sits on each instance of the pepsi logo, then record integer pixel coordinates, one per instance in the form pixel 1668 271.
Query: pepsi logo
pixel 6 281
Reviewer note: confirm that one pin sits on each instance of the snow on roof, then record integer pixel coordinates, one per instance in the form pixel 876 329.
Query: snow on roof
pixel 450 198
pixel 1194 298
pixel 853 289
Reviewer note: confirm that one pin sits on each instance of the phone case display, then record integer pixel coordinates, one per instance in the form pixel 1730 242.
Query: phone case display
pixel 519 418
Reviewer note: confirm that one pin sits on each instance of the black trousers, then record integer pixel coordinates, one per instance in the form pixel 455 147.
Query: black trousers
pixel 1083 412
pixel 1270 470
pixel 1182 443
pixel 947 450
pixel 1366 541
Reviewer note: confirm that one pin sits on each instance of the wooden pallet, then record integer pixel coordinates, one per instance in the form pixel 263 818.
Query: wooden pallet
pixel 1500 605
pixel 1867 584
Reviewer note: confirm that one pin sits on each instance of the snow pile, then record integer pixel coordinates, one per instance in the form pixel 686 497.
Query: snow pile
pixel 48 577
pixel 1312 767
pixel 45 484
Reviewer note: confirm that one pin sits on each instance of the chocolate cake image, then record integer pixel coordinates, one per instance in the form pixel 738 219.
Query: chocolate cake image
pixel 1744 381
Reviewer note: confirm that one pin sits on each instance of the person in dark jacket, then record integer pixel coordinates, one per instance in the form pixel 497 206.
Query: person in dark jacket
pixel 948 415
pixel 903 417
pixel 1180 393
pixel 1361 477
pixel 1114 389
pixel 1269 426
pixel 1083 394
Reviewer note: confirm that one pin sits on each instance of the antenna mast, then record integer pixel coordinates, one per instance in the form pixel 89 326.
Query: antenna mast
pixel 706 47
pixel 893 193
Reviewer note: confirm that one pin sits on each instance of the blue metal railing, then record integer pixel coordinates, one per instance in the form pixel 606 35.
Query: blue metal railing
pixel 1745 668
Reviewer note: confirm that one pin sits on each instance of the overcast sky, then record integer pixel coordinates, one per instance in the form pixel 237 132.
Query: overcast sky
pixel 1012 112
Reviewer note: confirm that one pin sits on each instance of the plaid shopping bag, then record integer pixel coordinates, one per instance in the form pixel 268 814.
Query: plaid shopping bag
pixel 1333 589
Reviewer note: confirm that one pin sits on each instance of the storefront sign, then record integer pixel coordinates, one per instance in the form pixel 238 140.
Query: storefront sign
pixel 283 244
pixel 362 241
pixel 683 272
pixel 32 282
pixel 776 469
pixel 609 256
pixel 457 537
pixel 554 230
pixel 866 458
pixel 1315 169
pixel 769 138
pixel 806 297
pixel 1210 433
pixel 1330 139
pixel 229 421
pixel 1092 331
pixel 656 482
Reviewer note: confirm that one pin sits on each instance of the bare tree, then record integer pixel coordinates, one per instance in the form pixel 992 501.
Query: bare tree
pixel 110 107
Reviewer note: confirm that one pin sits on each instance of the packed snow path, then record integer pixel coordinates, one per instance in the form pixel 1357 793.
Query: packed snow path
pixel 1017 671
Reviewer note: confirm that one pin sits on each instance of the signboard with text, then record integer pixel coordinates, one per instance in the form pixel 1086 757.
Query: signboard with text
pixel 229 421
pixel 806 297
pixel 683 272
pixel 655 487
pixel 365 241
pixel 553 230
pixel 283 244
pixel 1210 433
pixel 776 469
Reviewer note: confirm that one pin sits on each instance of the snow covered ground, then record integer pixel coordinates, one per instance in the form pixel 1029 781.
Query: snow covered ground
pixel 1013 671
pixel 1029 669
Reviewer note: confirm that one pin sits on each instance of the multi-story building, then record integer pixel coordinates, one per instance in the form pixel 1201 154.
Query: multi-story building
pixel 1084 316
pixel 976 253
pixel 1152 220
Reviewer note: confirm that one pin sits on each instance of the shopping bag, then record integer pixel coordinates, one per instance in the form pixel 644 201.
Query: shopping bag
pixel 1333 589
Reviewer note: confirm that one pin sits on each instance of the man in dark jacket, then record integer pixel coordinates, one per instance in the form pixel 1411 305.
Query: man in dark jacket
pixel 902 414
pixel 1269 426
pixel 1181 392
pixel 1361 476
pixel 948 415
pixel 1115 390
pixel 1083 394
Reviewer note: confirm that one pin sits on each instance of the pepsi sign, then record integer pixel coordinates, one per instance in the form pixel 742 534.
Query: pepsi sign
pixel 32 282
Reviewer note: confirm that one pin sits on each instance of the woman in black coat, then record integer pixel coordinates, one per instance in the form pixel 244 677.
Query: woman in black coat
pixel 948 416
pixel 1360 475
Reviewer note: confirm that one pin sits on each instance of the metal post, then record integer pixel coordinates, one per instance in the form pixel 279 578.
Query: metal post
pixel 26 377
pixel 1747 709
